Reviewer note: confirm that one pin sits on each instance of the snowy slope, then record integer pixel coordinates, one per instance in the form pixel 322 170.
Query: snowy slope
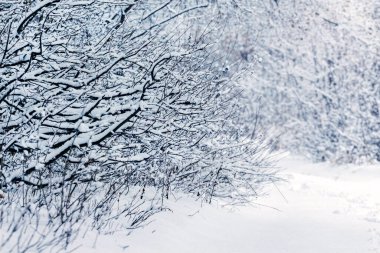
pixel 324 208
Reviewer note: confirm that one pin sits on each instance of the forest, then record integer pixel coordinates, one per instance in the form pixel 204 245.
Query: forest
pixel 112 109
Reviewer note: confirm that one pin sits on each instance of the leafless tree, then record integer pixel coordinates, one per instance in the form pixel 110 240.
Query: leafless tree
pixel 106 108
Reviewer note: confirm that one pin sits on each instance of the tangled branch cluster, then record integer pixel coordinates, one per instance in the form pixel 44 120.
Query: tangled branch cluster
pixel 106 108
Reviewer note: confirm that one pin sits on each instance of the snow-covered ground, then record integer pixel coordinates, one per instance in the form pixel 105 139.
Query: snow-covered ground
pixel 322 209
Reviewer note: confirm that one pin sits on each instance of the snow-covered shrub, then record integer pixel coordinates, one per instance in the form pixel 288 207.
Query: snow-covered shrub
pixel 318 77
pixel 106 107
pixel 232 27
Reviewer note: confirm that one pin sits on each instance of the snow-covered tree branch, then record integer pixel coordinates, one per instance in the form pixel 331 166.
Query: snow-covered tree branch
pixel 107 107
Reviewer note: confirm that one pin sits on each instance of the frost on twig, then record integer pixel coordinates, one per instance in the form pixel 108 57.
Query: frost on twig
pixel 106 109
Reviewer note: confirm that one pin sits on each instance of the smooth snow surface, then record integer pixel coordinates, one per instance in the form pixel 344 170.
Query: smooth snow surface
pixel 324 209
